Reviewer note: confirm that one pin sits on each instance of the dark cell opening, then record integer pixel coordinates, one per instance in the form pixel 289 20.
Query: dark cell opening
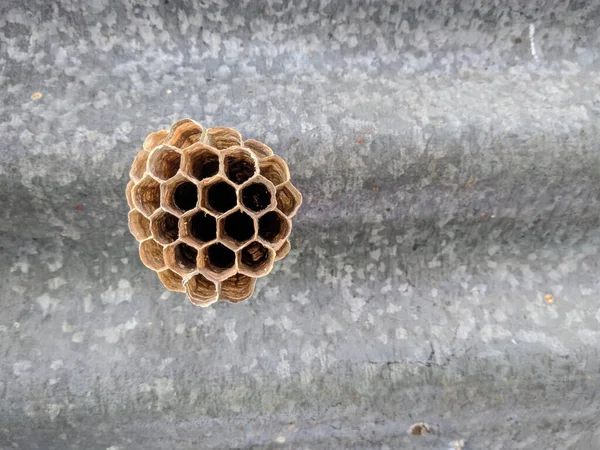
pixel 254 255
pixel 220 257
pixel 166 228
pixel 256 197
pixel 221 197
pixel 185 196
pixel 239 226
pixel 239 168
pixel 205 165
pixel 203 227
pixel 185 256
pixel 270 226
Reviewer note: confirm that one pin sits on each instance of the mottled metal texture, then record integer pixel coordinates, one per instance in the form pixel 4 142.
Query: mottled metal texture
pixel 444 265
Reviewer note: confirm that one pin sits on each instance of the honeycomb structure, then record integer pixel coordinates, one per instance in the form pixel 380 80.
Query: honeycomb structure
pixel 211 212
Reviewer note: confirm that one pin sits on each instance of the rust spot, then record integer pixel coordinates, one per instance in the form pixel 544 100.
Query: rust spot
pixel 36 96
pixel 360 141
pixel 375 188
pixel 549 298
pixel 79 207
pixel 419 429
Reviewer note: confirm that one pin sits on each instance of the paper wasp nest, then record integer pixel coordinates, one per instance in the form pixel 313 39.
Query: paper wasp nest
pixel 212 213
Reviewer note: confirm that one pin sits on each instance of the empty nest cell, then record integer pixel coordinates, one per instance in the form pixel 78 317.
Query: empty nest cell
pixel 256 197
pixel 256 259
pixel 275 170
pixel 171 280
pixel 200 162
pixel 200 227
pixel 138 168
pixel 201 290
pixel 259 149
pixel 222 138
pixel 237 288
pixel 165 227
pixel 164 162
pixel 237 228
pixel 288 199
pixel 155 139
pixel 185 196
pixel 239 166
pixel 184 133
pixel 181 258
pixel 273 227
pixel 139 225
pixel 217 261
pixel 146 196
pixel 219 197
pixel 151 254
pixel 283 251
pixel 179 195
pixel 219 257
pixel 129 194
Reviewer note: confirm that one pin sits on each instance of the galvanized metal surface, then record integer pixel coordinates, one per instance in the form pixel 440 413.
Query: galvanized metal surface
pixel 445 261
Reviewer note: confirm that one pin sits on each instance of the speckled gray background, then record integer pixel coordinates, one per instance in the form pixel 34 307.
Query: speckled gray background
pixel 449 157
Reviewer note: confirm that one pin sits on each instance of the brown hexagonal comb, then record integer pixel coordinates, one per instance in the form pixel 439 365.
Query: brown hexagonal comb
pixel 212 212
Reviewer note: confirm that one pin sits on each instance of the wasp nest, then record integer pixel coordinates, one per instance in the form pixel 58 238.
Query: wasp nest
pixel 212 213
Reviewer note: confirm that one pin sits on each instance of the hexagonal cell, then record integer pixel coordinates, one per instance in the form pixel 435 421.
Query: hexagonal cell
pixel 146 195
pixel 198 228
pixel 138 168
pixel 181 258
pixel 151 254
pixel 155 139
pixel 218 197
pixel 275 170
pixel 274 227
pixel 164 162
pixel 200 162
pixel 283 251
pixel 171 280
pixel 256 260
pixel 179 195
pixel 201 291
pixel 258 195
pixel 288 199
pixel 222 137
pixel 239 165
pixel 184 133
pixel 164 227
pixel 237 288
pixel 217 261
pixel 259 149
pixel 128 194
pixel 236 229
pixel 139 225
